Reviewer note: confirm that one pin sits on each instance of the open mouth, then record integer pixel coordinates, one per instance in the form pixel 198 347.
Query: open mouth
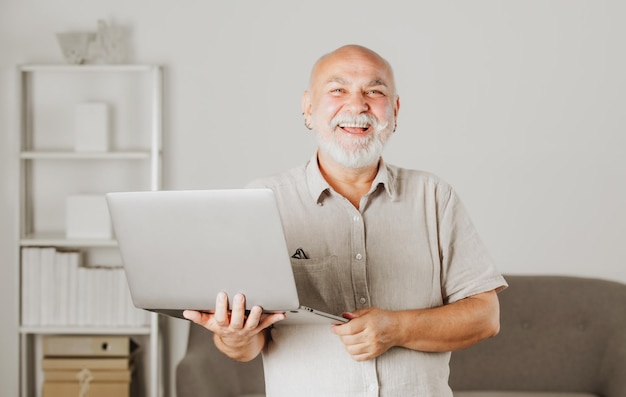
pixel 354 128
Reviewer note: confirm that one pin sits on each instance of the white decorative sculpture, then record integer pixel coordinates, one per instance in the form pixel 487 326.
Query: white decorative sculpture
pixel 106 45
pixel 75 46
pixel 109 43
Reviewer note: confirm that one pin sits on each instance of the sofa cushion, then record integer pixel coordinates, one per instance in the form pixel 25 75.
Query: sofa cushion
pixel 493 393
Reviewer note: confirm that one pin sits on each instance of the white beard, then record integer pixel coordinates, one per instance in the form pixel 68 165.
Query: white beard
pixel 354 152
pixel 366 151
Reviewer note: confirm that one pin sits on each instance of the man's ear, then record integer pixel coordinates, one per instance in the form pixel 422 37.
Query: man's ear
pixel 397 107
pixel 306 104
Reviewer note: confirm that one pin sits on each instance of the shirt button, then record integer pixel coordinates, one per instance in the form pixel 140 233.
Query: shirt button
pixel 356 218
pixel 359 257
pixel 362 300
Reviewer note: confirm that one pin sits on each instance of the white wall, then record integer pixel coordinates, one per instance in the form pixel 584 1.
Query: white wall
pixel 519 104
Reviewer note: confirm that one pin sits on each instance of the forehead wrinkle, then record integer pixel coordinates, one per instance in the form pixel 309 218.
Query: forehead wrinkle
pixel 337 79
pixel 371 83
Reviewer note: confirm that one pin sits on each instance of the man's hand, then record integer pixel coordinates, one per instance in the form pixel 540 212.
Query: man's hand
pixel 369 333
pixel 239 336
pixel 454 326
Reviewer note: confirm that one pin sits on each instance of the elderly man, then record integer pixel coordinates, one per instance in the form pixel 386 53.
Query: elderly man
pixel 389 248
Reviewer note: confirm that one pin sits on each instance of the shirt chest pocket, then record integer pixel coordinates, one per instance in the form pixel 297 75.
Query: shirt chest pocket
pixel 317 281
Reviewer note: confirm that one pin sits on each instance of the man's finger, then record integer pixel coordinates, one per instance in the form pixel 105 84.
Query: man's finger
pixel 221 310
pixel 270 319
pixel 192 315
pixel 238 312
pixel 254 317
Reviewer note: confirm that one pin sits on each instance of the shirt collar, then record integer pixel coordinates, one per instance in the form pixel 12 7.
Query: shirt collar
pixel 318 187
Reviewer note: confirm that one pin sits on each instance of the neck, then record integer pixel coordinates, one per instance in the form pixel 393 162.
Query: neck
pixel 352 183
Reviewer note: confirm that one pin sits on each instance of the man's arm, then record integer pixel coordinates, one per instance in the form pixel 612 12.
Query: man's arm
pixel 372 331
pixel 238 336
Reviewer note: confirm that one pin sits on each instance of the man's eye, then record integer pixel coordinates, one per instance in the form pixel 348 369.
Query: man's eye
pixel 375 93
pixel 337 90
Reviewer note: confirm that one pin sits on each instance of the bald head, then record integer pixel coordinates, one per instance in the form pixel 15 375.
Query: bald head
pixel 354 56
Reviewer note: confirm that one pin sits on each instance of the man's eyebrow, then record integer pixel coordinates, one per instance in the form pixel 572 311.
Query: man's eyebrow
pixel 377 82
pixel 336 79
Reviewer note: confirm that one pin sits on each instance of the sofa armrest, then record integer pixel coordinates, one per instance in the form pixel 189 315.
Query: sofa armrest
pixel 613 368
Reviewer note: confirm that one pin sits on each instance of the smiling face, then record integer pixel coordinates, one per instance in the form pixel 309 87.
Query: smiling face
pixel 352 106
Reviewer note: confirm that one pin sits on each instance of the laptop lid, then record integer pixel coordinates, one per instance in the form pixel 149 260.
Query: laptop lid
pixel 180 248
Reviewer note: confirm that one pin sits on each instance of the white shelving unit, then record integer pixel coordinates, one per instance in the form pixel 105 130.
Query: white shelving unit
pixel 51 169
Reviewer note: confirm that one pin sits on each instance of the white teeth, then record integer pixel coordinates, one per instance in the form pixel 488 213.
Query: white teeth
pixel 344 125
pixel 364 121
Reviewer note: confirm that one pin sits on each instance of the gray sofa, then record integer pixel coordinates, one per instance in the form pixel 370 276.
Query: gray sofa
pixel 560 336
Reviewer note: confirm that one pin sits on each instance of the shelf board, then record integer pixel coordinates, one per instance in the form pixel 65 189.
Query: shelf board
pixel 85 330
pixel 59 240
pixel 71 155
pixel 86 68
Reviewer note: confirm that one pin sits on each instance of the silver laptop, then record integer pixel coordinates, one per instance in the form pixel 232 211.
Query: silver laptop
pixel 180 248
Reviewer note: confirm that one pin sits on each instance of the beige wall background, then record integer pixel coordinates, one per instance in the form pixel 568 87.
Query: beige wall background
pixel 518 104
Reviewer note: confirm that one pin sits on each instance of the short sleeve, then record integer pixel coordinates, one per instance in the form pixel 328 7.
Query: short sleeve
pixel 467 267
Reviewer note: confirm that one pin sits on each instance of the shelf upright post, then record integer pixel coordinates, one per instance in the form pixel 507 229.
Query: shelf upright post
pixel 157 127
pixel 23 342
pixel 155 184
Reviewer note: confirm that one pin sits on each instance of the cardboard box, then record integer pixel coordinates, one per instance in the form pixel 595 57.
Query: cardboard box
pixel 87 346
pixel 104 363
pixel 96 389
pixel 72 375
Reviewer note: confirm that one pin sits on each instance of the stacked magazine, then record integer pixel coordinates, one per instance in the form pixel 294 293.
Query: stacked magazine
pixel 57 290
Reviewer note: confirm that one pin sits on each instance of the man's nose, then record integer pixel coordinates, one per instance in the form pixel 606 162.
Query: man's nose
pixel 357 103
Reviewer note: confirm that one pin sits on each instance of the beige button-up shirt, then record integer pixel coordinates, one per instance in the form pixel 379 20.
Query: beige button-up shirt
pixel 410 245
